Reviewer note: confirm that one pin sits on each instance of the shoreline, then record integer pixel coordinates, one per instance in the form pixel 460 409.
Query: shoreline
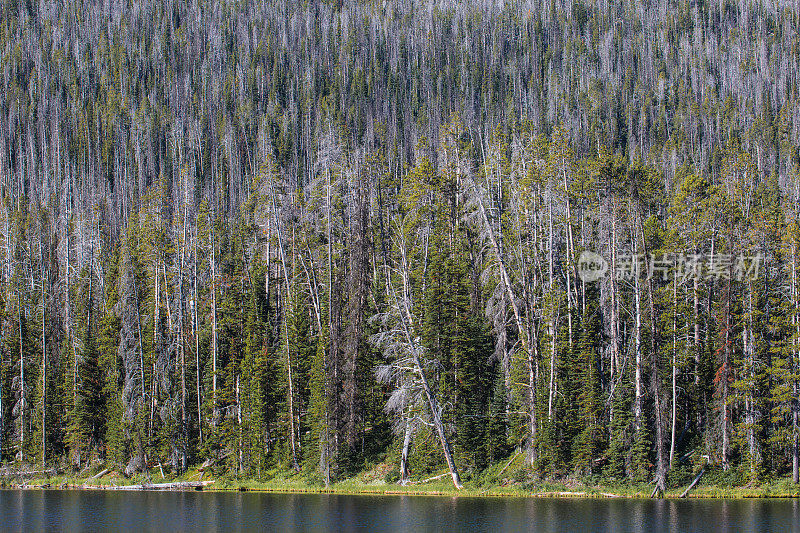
pixel 552 491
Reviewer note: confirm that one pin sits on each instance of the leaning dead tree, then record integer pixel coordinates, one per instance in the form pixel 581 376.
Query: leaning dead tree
pixel 401 346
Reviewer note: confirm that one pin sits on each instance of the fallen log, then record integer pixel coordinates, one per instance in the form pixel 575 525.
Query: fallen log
pixel 28 473
pixel 99 474
pixel 508 463
pixel 690 487
pixel 177 485
pixel 429 479
pixel 559 494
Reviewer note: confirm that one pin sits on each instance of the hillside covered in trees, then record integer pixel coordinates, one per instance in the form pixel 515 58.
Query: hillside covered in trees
pixel 313 235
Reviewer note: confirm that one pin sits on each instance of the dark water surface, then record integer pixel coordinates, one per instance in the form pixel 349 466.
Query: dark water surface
pixel 192 511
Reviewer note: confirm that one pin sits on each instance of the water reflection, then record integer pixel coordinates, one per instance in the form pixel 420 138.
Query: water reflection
pixel 192 511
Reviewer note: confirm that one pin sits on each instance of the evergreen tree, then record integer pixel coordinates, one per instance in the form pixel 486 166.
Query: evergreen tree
pixel 587 445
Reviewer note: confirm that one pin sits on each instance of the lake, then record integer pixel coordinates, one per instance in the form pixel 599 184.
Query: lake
pixel 53 510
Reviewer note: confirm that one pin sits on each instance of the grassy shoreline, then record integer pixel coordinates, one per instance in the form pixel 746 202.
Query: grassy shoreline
pixel 295 484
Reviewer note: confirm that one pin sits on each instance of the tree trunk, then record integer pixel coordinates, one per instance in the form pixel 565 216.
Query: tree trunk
pixel 292 430
pixel 21 383
pixel 328 349
pixel 143 398
pixel 533 358
pixel 509 289
pixel 674 368
pixel 182 340
pixel 68 297
pixel 796 362
pixel 637 339
pixel 533 373
pixel 553 311
pixel 660 462
pixel 239 425
pixel 214 413
pixel 404 453
pixel 437 422
pixel 570 258
pixel 750 407
pixel 696 338
pixel 156 341
pixel 614 316
pixel 407 323
pixel 2 420
pixel 196 332
pixel 44 367
pixel 724 377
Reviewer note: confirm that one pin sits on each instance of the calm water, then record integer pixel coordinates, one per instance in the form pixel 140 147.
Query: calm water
pixel 190 511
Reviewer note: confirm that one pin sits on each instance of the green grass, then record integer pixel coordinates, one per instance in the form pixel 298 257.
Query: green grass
pixel 506 479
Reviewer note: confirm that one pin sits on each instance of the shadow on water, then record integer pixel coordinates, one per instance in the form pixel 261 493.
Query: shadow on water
pixel 192 511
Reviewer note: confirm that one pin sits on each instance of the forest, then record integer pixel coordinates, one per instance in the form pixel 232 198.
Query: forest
pixel 311 236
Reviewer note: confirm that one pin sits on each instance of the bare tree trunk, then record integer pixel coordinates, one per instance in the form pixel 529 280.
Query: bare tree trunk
pixel 674 368
pixel 156 340
pixel 614 315
pixel 552 385
pixel 433 406
pixel 506 279
pixel 182 340
pixel 696 338
pixel 68 292
pixel 89 307
pixel 407 322
pixel 290 377
pixel 637 339
pixel 554 321
pixel 533 357
pixel 214 413
pixel 21 383
pixel 292 430
pixel 44 362
pixel 2 329
pixel 437 421
pixel 143 397
pixel 239 424
pixel 196 328
pixel 533 373
pixel 2 424
pixel 328 354
pixel 750 408
pixel 404 452
pixel 796 362
pixel 570 258
pixel 724 378
pixel 707 415
pixel 660 463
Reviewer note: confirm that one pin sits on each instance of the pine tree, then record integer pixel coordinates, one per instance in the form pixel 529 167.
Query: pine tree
pixel 589 441
pixel 111 367
pixel 620 430
pixel 471 352
pixel 319 452
pixel 88 416
pixel 301 351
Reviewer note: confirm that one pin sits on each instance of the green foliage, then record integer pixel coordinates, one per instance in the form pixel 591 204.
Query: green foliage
pixel 588 443
pixel 206 257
